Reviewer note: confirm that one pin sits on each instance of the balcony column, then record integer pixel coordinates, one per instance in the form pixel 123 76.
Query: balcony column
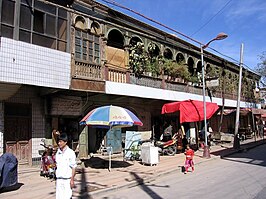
pixel 126 48
pixel 104 59
pixel 163 84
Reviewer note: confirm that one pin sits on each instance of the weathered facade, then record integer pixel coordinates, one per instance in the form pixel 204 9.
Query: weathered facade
pixel 59 62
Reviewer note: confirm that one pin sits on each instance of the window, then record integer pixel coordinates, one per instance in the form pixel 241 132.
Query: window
pixel 25 16
pixel 62 29
pixel 7 18
pixel 38 22
pixel 7 15
pixel 87 47
pixel 50 27
pixel 7 31
pixel 24 36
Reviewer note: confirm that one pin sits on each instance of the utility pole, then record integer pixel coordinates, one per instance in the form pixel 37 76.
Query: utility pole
pixel 236 137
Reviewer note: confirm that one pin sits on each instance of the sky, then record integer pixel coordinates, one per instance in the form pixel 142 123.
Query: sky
pixel 244 21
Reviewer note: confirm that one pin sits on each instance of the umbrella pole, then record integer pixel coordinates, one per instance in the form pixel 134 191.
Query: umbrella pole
pixel 110 160
pixel 110 154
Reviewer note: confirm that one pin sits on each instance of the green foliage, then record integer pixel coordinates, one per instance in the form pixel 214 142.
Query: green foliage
pixel 247 88
pixel 176 70
pixel 141 62
pixel 155 67
pixel 138 59
pixel 261 68
pixel 193 79
pixel 213 71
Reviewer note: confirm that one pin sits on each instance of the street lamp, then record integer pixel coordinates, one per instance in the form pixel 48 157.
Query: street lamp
pixel 220 36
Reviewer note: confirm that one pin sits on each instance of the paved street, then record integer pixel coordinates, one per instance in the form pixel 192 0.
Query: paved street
pixel 96 181
pixel 241 175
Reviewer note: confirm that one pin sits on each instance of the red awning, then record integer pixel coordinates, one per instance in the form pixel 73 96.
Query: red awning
pixel 190 110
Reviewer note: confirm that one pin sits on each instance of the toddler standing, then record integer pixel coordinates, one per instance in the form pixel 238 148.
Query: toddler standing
pixel 189 159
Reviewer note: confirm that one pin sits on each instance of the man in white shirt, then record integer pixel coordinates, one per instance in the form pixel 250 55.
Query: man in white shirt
pixel 66 168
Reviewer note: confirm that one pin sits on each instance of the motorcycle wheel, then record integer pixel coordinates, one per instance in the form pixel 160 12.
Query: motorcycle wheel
pixel 171 150
pixel 42 173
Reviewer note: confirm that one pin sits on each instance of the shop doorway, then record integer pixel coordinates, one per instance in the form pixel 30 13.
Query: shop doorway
pixel 70 126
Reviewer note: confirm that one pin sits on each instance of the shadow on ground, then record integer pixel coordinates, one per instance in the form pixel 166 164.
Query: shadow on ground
pixel 228 150
pixel 100 163
pixel 11 188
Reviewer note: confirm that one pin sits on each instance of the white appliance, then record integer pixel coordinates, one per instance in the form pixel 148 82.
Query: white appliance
pixel 149 155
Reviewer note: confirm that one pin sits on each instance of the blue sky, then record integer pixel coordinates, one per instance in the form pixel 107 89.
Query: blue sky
pixel 243 20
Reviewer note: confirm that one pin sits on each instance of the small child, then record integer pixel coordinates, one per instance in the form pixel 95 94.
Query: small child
pixel 189 159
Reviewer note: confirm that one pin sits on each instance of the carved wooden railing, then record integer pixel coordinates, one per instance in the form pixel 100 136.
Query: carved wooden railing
pixel 89 71
pixel 85 70
pixel 116 75
pixel 183 87
pixel 146 81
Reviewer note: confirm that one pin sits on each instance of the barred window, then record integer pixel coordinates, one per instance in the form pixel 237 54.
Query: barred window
pixel 87 46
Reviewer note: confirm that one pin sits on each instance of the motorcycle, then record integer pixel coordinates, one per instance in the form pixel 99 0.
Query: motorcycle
pixel 168 147
pixel 48 164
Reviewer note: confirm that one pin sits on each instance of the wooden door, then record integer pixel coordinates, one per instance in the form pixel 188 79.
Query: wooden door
pixel 17 132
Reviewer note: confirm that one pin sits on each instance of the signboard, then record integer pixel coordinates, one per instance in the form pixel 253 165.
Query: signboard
pixel 212 82
pixel 66 105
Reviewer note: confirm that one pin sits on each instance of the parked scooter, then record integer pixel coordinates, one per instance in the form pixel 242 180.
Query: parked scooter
pixel 167 147
pixel 48 164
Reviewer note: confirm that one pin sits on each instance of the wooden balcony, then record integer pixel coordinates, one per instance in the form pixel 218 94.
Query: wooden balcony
pixel 116 75
pixel 83 70
pixel 146 81
pixel 94 72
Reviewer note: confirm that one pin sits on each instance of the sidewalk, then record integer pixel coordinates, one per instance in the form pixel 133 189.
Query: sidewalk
pixel 94 178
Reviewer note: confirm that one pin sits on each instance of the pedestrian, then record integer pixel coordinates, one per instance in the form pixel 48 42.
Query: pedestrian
pixel 184 143
pixel 260 127
pixel 66 168
pixel 189 153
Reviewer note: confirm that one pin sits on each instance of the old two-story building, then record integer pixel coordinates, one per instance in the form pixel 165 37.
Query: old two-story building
pixel 61 59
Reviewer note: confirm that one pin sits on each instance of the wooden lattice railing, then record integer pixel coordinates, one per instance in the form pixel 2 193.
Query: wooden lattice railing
pixel 89 71
pixel 85 70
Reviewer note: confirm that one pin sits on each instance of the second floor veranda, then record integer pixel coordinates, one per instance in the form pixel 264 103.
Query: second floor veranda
pixel 98 73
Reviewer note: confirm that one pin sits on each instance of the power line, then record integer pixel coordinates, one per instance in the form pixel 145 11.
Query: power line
pixel 235 61
pixel 211 18
pixel 182 34
pixel 152 20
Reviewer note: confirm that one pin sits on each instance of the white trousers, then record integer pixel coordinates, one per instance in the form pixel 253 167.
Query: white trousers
pixel 63 189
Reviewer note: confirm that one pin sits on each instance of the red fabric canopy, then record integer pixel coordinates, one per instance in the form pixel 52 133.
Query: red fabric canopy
pixel 190 110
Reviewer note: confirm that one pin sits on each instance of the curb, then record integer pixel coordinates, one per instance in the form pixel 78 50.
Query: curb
pixel 141 181
pixel 253 145
pixel 150 179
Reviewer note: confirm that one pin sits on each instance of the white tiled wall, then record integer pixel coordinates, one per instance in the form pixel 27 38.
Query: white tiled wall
pixel 30 64
pixel 36 147
pixel 1 143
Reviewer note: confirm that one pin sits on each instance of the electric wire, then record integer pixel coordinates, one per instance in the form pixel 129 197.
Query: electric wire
pixel 211 18
pixel 152 20
pixel 178 32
